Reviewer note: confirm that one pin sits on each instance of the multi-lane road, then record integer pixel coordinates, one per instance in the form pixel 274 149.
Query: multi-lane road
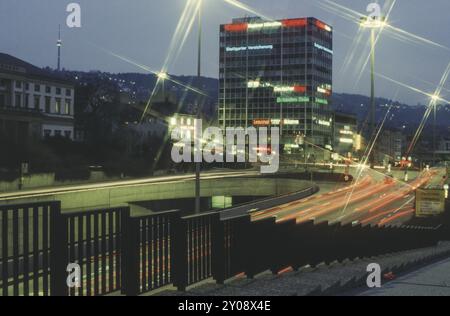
pixel 371 199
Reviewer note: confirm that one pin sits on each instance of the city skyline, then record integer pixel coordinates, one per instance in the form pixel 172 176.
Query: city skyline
pixel 36 27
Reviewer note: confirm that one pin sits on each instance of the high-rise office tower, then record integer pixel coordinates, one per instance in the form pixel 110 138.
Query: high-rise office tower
pixel 278 73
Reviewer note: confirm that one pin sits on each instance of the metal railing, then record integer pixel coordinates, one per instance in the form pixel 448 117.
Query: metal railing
pixel 135 255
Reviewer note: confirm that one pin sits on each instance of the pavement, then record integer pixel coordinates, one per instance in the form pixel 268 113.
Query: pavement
pixel 347 278
pixel 433 280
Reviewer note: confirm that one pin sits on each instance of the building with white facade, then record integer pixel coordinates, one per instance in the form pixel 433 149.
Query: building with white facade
pixel 34 102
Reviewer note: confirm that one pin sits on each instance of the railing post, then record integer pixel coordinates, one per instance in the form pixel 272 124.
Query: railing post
pixel 282 246
pixel 180 259
pixel 218 249
pixel 130 254
pixel 59 253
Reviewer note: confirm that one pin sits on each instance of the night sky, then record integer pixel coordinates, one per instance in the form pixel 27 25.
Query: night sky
pixel 142 30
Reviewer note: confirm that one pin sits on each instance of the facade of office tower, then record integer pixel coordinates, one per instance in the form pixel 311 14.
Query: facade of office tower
pixel 278 73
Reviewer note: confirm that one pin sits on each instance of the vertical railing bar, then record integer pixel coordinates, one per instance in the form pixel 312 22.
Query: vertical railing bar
pixel 111 251
pixel 190 247
pixel 96 242
pixel 36 251
pixel 72 244
pixel 148 237
pixel 5 274
pixel 45 249
pixel 26 252
pixel 166 251
pixel 160 251
pixel 103 253
pixel 81 252
pixel 88 256
pixel 143 234
pixel 15 257
pixel 155 252
pixel 118 233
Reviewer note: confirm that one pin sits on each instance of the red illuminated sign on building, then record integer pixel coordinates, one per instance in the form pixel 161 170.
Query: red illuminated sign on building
pixel 300 89
pixel 241 27
pixel 322 26
pixel 294 22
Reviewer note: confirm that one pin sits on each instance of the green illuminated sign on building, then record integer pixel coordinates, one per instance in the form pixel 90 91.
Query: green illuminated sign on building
pixel 321 101
pixel 292 99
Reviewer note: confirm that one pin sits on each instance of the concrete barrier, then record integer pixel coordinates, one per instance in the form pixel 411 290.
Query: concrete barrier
pixel 120 196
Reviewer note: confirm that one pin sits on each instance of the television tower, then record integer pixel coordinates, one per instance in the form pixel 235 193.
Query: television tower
pixel 59 44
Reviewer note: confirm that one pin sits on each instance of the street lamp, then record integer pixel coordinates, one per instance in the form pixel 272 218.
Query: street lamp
pixel 372 24
pixel 434 99
pixel 163 76
pixel 199 56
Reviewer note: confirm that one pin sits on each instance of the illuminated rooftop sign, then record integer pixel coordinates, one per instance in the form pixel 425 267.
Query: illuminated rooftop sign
pixel 244 48
pixel 241 27
pixel 295 22
pixel 323 48
pixel 302 22
pixel 274 24
pixel 323 26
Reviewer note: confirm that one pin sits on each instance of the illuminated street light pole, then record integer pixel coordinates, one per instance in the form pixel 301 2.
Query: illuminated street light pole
pixel 434 99
pixel 199 56
pixel 434 134
pixel 372 24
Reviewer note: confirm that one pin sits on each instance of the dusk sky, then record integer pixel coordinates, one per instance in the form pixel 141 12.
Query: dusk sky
pixel 142 30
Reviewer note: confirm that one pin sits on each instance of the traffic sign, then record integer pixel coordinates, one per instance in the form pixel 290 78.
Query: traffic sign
pixel 430 202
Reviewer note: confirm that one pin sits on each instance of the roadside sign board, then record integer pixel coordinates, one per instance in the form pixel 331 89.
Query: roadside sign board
pixel 430 202
pixel 24 168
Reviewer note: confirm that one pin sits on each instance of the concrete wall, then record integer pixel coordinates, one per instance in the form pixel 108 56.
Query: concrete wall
pixel 48 180
pixel 120 196
pixel 29 182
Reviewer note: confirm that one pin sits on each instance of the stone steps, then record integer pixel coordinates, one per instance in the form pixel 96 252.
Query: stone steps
pixel 334 279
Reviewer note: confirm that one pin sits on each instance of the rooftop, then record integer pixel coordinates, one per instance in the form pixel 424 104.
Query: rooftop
pixel 13 65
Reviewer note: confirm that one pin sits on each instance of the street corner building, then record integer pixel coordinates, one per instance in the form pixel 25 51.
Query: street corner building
pixel 34 103
pixel 278 73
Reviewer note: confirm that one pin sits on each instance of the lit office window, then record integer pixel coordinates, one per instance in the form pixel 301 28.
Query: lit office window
pixel 67 107
pixel 58 106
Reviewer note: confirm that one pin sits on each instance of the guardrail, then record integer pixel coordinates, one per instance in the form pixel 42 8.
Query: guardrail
pixel 94 242
pixel 267 203
pixel 28 232
pixel 135 255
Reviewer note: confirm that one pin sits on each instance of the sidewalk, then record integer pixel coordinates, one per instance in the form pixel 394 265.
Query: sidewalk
pixel 433 280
